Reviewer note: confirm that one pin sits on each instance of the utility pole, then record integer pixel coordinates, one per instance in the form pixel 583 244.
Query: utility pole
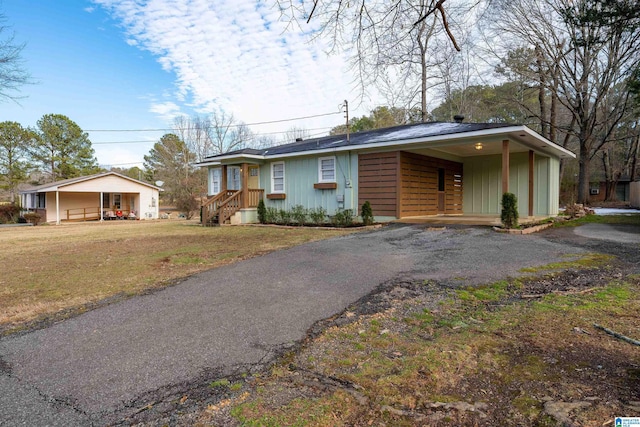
pixel 346 109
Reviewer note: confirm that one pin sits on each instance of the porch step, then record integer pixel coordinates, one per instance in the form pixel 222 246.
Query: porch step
pixel 214 222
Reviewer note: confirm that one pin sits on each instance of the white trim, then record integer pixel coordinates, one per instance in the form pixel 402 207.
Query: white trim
pixel 320 159
pixel 273 186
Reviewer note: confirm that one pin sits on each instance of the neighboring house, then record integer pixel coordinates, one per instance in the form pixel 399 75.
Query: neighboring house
pixel 403 171
pixel 107 195
pixel 598 191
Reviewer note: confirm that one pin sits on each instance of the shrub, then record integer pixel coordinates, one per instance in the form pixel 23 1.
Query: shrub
pixel 299 214
pixel 284 217
pixel 367 213
pixel 9 213
pixel 509 214
pixel 271 216
pixel 342 218
pixel 318 215
pixel 187 204
pixel 32 217
pixel 262 212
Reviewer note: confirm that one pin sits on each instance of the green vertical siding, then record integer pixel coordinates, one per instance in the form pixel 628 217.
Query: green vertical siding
pixel 519 181
pixel 481 183
pixel 302 173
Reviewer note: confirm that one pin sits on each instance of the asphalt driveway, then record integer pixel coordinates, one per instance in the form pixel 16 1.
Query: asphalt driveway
pixel 102 366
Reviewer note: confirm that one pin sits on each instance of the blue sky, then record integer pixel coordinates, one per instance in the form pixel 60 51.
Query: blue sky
pixel 124 64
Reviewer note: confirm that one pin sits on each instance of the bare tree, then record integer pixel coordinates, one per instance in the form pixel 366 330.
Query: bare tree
pixel 196 133
pixel 227 134
pixel 392 42
pixel 582 52
pixel 294 133
pixel 12 72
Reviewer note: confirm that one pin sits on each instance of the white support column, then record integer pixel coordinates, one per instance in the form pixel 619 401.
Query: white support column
pixel 57 207
pixel 101 207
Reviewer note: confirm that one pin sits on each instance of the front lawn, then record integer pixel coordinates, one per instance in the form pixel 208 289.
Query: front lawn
pixel 60 270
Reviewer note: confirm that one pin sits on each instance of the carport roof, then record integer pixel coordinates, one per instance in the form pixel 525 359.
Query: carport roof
pixel 428 135
pixel 54 186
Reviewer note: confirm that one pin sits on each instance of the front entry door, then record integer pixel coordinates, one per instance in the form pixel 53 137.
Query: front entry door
pixel 441 188
pixel 254 177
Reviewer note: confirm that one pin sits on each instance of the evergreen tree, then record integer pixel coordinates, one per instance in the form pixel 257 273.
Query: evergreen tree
pixel 63 148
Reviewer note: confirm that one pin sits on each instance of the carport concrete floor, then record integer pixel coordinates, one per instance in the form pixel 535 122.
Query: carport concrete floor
pixel 488 220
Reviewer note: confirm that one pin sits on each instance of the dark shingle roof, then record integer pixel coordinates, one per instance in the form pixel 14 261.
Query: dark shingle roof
pixel 396 133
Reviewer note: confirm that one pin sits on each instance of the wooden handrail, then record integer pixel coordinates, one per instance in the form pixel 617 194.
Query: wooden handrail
pixel 255 195
pixel 211 206
pixel 230 206
pixel 226 203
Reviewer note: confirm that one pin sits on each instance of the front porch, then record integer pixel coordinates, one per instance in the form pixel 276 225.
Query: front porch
pixel 221 208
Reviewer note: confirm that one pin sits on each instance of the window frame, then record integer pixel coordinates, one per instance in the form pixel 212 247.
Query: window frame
pixel 216 180
pixel 320 177
pixel 273 178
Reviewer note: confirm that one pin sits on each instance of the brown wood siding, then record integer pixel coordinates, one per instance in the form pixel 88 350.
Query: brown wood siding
pixel 419 185
pixel 378 182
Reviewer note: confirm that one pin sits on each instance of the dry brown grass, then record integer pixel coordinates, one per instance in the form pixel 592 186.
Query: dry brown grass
pixel 506 357
pixel 46 269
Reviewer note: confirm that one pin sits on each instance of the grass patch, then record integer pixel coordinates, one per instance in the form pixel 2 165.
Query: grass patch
pixel 591 260
pixel 49 269
pixel 482 346
pixel 632 219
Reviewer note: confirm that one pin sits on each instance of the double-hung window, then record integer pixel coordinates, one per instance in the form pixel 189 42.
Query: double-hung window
pixel 327 169
pixel 216 180
pixel 277 177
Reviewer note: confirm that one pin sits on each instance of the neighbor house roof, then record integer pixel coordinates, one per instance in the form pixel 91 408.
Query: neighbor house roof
pixel 55 186
pixel 428 134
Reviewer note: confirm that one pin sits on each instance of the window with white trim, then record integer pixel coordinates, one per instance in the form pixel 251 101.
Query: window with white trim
pixel 233 178
pixel 327 169
pixel 216 180
pixel 277 177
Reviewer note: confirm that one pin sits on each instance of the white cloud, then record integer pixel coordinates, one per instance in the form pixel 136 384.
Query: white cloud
pixel 236 56
pixel 166 110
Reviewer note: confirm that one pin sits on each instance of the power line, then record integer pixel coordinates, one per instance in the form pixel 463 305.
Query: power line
pixel 237 125
pixel 257 135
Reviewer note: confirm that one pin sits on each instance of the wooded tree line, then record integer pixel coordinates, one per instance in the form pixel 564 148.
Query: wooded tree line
pixel 55 149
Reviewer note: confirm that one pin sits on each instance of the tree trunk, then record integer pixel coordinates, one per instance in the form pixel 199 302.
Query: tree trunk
pixel 423 71
pixel 583 175
pixel 544 127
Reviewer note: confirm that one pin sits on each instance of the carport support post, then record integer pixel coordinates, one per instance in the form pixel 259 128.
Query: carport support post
pixel 505 166
pixel 101 208
pixel 57 207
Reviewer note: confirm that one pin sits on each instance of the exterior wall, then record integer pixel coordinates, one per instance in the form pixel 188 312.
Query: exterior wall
pixel 634 194
pixel 542 197
pixel 378 182
pixel 74 203
pixel 483 184
pixel 419 186
pixel 301 173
